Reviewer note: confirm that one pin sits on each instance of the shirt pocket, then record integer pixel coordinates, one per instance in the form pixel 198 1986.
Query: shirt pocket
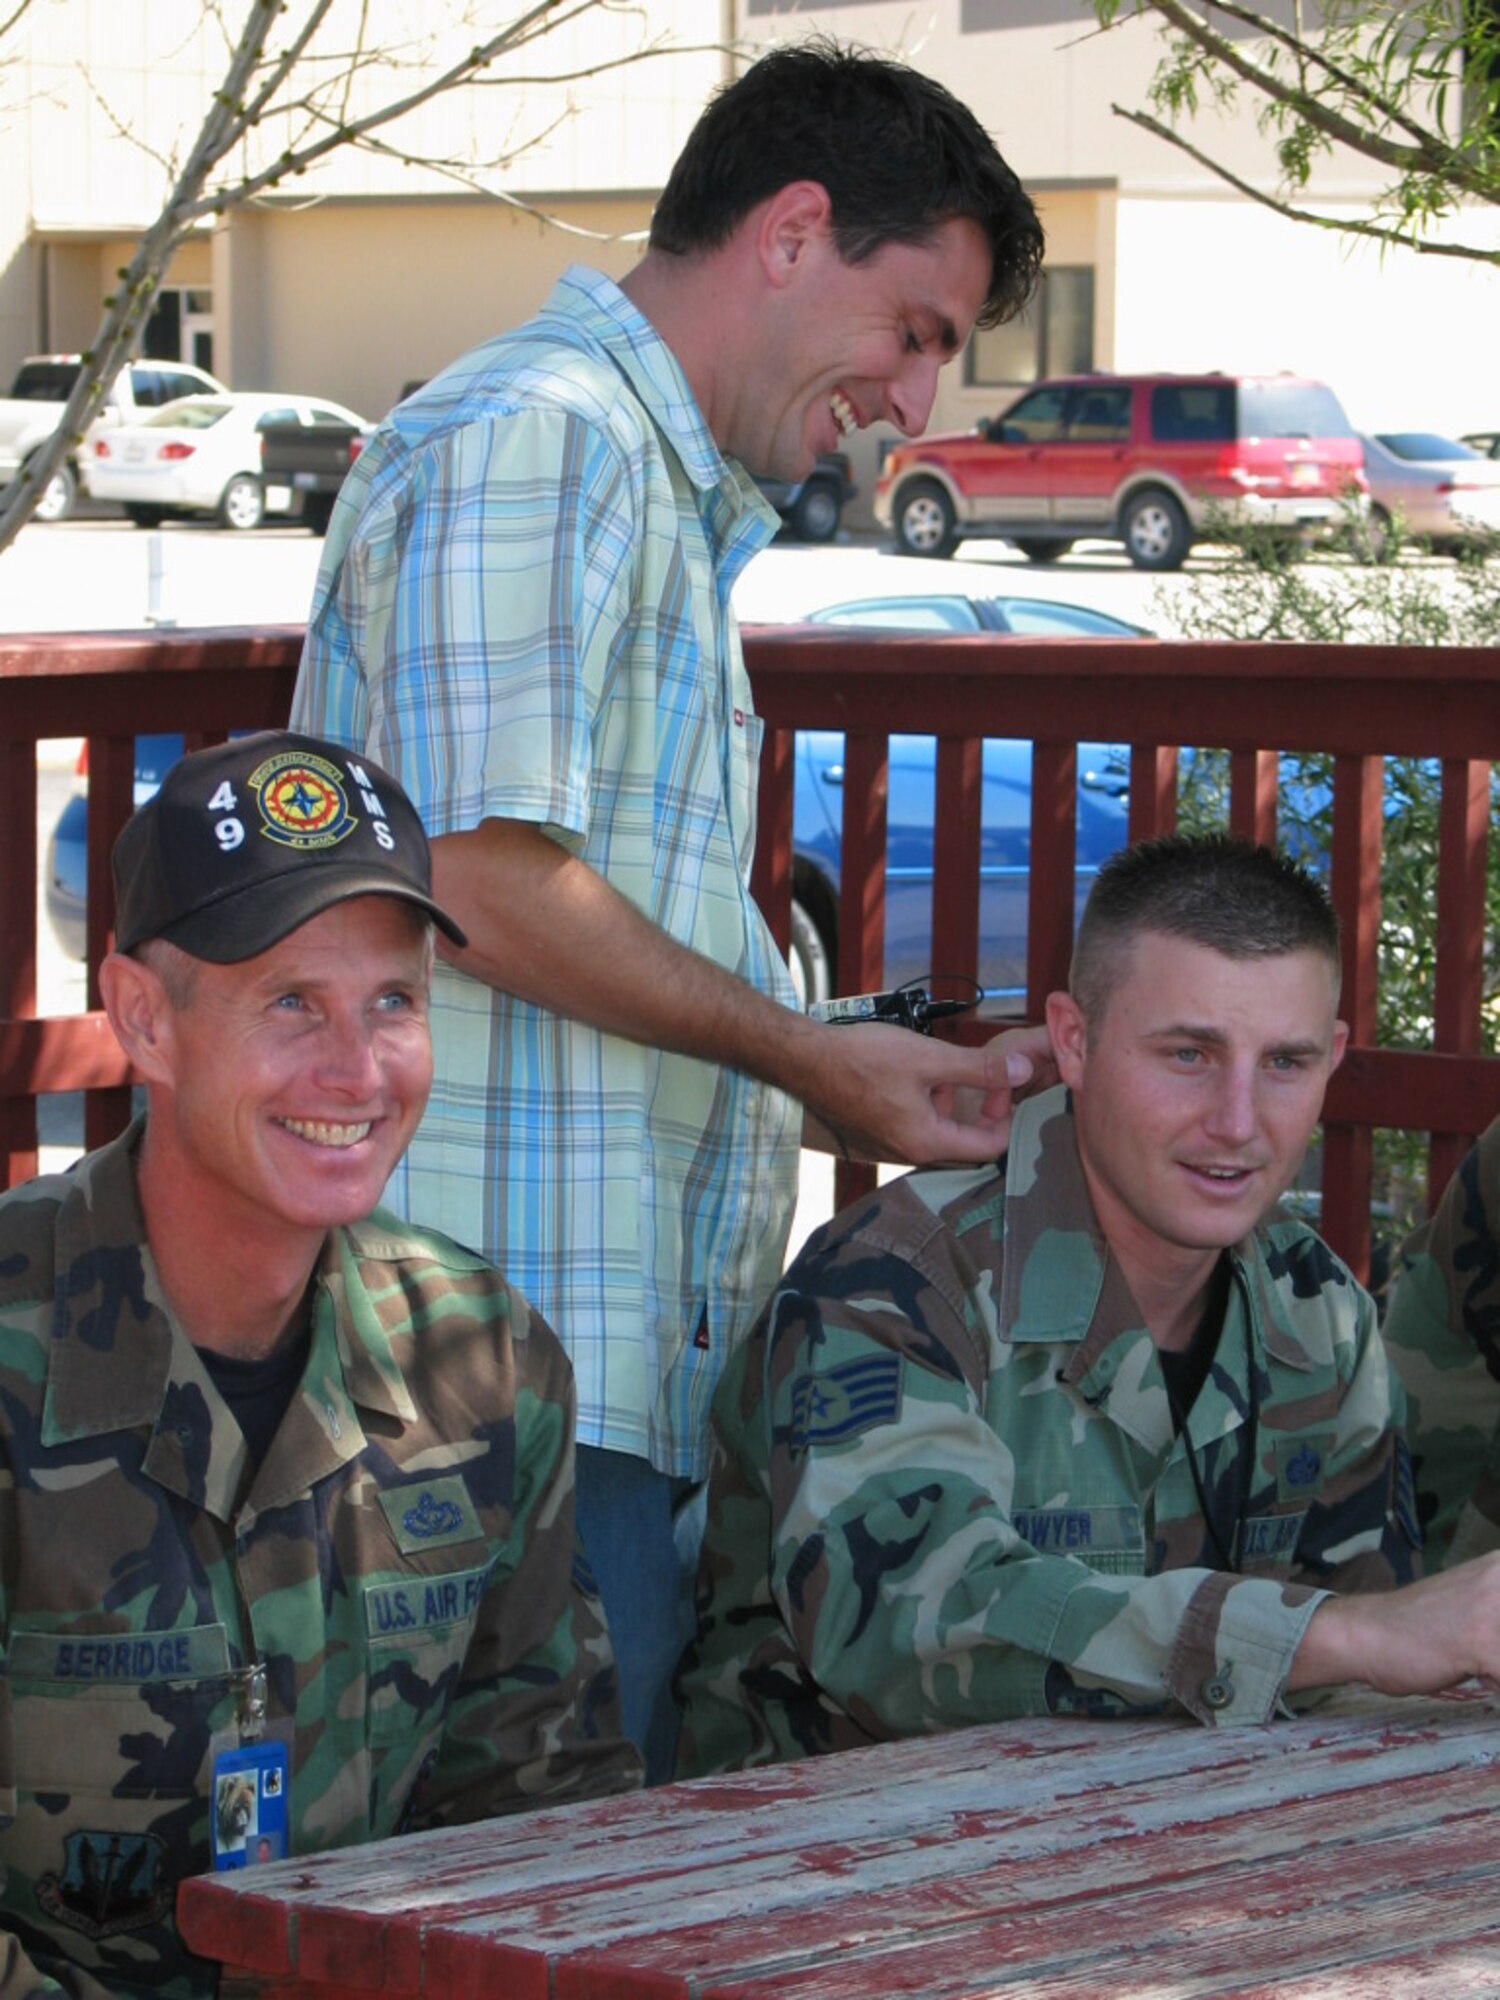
pixel 418 1630
pixel 1108 1536
pixel 117 1715
pixel 1269 1541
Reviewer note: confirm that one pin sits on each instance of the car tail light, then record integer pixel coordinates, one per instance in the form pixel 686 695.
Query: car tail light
pixel 101 449
pixel 356 446
pixel 173 452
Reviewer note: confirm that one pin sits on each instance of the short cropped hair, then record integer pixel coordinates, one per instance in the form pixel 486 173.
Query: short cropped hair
pixel 1215 890
pixel 897 152
pixel 176 969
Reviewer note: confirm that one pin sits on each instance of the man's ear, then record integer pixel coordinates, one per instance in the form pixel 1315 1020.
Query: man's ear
pixel 140 1013
pixel 1069 1032
pixel 1340 1044
pixel 794 218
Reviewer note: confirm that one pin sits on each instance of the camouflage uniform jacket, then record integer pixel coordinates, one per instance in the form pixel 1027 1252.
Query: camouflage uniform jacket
pixel 1443 1331
pixel 402 1562
pixel 946 1488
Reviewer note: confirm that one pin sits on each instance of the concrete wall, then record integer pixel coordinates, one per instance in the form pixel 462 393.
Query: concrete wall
pixel 352 302
pixel 376 273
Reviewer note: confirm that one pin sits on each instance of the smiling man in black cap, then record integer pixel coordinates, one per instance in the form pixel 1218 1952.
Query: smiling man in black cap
pixel 289 1552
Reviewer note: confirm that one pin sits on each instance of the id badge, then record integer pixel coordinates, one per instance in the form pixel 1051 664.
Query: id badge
pixel 248 1815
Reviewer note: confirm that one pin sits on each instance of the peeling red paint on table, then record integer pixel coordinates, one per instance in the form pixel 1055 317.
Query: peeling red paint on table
pixel 1328 1856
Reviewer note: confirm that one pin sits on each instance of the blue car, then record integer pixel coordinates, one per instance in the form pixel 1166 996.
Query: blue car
pixel 1006 829
pixel 1004 857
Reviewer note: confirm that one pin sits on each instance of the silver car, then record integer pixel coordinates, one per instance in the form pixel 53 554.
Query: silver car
pixel 1442 491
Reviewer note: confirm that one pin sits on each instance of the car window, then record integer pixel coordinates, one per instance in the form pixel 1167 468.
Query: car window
pixel 1423 445
pixel 148 388
pixel 190 413
pixel 1291 409
pixel 286 416
pixel 45 381
pixel 178 382
pixel 322 415
pixel 1036 419
pixel 904 614
pixel 1100 416
pixel 1193 413
pixel 1040 620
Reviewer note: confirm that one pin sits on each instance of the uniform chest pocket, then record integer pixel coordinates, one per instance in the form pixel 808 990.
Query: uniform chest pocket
pixel 1268 1542
pixel 417 1630
pixel 1110 1538
pixel 122 1715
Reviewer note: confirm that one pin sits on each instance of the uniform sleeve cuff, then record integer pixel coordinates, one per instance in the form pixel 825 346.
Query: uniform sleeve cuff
pixel 1235 1647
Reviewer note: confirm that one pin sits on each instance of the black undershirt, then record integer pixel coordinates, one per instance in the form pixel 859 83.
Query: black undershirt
pixel 259 1392
pixel 1186 1369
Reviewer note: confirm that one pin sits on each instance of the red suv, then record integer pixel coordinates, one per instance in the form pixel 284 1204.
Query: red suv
pixel 1142 459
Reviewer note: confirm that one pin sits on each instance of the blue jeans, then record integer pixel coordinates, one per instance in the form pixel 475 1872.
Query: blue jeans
pixel 641 1529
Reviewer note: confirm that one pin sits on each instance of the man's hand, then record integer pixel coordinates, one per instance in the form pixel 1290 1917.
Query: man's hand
pixel 903 1097
pixel 1419 1640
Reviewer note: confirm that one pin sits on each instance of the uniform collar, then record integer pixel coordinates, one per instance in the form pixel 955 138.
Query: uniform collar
pixel 1059 1283
pixel 594 304
pixel 117 1361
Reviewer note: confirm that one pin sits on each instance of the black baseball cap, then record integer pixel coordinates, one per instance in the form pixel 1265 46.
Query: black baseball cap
pixel 244 843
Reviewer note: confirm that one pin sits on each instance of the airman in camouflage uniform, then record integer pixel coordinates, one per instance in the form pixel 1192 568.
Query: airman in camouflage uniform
pixel 1443 1331
pixel 379 1575
pixel 951 1437
pixel 1092 1432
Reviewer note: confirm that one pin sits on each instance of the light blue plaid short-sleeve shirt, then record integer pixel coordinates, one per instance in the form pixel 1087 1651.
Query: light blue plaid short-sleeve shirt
pixel 523 611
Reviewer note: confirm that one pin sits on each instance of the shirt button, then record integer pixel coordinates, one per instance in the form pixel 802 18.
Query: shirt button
pixel 1217 1693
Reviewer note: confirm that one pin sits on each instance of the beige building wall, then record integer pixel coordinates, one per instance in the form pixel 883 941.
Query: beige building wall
pixel 102 97
pixel 368 273
pixel 353 300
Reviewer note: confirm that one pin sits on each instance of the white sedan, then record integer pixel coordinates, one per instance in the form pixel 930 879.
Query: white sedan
pixel 201 455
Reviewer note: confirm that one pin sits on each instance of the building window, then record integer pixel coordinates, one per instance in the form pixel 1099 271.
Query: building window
pixel 181 326
pixel 1053 336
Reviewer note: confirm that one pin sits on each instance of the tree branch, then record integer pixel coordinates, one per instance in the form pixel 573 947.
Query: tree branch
pixel 1306 54
pixel 1350 227
pixel 1431 156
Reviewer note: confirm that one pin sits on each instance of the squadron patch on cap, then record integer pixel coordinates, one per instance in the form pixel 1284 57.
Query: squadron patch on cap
pixel 302 801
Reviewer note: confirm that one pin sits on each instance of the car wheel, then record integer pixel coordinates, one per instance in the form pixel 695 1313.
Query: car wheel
pixel 58 496
pixel 924 520
pixel 1040 552
pixel 1155 530
pixel 815 518
pixel 242 504
pixel 145 517
pixel 812 970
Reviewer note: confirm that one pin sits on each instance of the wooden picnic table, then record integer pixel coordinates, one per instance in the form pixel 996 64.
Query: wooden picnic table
pixel 1354 1855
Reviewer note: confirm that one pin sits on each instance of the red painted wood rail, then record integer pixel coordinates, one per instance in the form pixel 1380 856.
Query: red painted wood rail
pixel 1321 1857
pixel 1359 703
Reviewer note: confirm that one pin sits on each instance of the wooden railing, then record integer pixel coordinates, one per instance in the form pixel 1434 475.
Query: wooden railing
pixel 1358 703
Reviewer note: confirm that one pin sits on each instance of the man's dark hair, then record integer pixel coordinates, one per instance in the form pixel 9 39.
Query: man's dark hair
pixel 896 151
pixel 1212 889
